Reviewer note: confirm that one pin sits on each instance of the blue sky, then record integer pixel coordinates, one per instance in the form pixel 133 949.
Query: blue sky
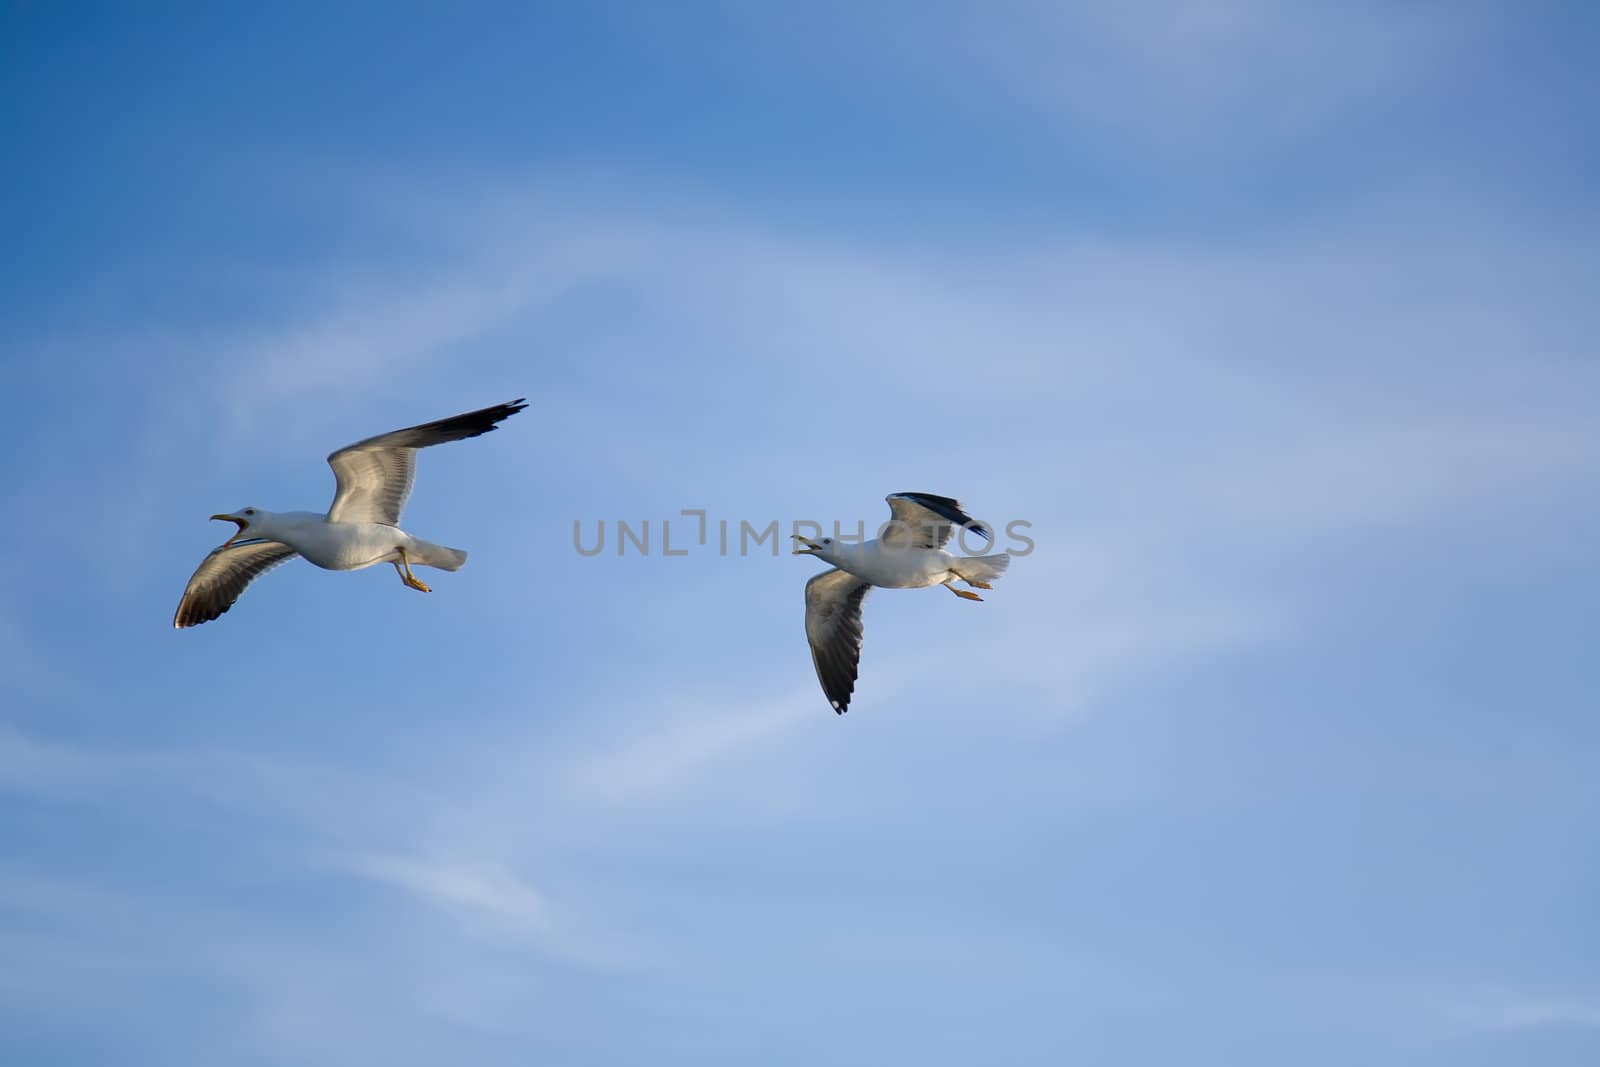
pixel 1275 321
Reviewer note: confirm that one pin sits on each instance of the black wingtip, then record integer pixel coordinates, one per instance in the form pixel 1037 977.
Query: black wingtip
pixel 475 423
pixel 950 508
pixel 503 411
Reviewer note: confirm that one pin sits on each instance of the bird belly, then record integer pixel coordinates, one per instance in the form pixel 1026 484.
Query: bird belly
pixel 350 546
pixel 911 568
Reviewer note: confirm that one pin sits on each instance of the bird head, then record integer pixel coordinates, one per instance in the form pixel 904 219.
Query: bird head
pixel 247 518
pixel 822 549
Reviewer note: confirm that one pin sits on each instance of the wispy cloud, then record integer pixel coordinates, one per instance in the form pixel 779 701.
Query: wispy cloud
pixel 1087 345
pixel 640 770
pixel 1170 77
pixel 494 901
pixel 1175 73
pixel 1442 1012
pixel 1525 1010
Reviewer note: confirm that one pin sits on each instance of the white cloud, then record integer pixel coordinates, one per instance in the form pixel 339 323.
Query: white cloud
pixel 640 770
pixel 1157 399
pixel 1525 1011
pixel 496 893
pixel 1441 1011
pixel 1200 79
pixel 1176 71
pixel 493 900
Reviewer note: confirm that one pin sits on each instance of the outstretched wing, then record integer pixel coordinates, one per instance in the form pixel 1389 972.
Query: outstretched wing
pixel 375 475
pixel 927 520
pixel 833 626
pixel 222 577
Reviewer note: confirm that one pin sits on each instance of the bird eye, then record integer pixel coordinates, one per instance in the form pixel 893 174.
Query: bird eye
pixel 249 511
pixel 827 540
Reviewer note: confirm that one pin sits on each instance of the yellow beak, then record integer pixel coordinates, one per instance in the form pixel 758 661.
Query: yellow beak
pixel 810 549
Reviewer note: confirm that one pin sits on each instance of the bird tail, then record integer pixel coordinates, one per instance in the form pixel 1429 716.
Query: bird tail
pixel 428 554
pixel 973 569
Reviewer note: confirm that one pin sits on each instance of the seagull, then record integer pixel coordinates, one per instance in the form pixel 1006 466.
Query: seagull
pixel 361 527
pixel 908 555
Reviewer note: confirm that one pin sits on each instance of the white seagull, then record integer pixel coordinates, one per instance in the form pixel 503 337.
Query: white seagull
pixel 361 527
pixel 909 555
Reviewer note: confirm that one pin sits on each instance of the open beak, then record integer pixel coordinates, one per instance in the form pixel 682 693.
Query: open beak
pixel 236 536
pixel 810 548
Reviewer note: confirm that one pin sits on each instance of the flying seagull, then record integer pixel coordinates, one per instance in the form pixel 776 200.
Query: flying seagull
pixel 361 527
pixel 909 555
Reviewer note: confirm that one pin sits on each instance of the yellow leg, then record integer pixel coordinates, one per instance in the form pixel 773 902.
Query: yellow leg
pixel 977 585
pixel 962 593
pixel 403 568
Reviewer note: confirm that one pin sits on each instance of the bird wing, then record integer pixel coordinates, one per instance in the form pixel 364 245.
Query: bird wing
pixel 927 520
pixel 375 475
pixel 833 627
pixel 222 577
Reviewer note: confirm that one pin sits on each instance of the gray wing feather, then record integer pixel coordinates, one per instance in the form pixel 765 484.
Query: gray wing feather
pixel 222 577
pixel 931 519
pixel 833 628
pixel 375 476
